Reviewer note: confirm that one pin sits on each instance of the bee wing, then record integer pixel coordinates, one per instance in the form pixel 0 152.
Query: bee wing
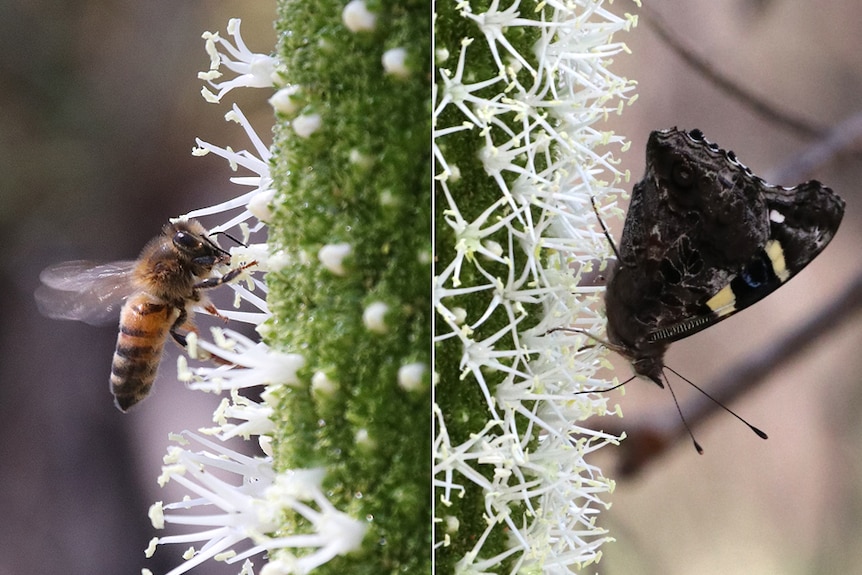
pixel 85 291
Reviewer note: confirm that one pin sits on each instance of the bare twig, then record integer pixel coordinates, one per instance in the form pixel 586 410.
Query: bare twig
pixel 838 139
pixel 765 109
pixel 645 442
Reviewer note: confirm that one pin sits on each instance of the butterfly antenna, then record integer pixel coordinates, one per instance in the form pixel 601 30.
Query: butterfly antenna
pixel 596 339
pixel 757 431
pixel 605 229
pixel 617 386
pixel 682 417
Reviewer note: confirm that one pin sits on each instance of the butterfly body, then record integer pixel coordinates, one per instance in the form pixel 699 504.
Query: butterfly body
pixel 704 238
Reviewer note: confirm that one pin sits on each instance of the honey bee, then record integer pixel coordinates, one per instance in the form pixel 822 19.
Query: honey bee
pixel 159 289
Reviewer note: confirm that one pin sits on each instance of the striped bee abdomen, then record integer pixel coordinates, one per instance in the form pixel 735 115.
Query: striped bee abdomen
pixel 144 326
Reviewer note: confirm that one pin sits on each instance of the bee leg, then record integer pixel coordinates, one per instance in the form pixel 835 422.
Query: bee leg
pixel 182 339
pixel 211 309
pixel 230 275
pixel 215 282
pixel 175 327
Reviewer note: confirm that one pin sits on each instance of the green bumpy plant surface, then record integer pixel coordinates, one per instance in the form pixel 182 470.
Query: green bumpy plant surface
pixel 361 179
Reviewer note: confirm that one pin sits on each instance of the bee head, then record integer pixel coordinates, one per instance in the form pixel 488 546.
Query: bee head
pixel 190 240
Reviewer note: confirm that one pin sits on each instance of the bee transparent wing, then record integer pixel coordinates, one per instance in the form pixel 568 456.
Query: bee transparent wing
pixel 85 291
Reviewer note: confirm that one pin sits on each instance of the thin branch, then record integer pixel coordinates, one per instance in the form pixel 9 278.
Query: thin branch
pixel 767 110
pixel 646 442
pixel 838 139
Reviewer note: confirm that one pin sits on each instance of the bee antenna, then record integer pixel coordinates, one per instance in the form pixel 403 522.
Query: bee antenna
pixel 757 431
pixel 229 236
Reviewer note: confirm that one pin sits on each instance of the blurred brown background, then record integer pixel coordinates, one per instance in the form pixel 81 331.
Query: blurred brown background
pixel 791 504
pixel 99 109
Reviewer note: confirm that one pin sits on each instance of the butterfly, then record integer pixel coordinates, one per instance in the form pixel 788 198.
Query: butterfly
pixel 703 239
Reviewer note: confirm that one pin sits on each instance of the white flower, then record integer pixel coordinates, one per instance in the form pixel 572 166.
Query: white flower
pixel 234 362
pixel 239 516
pixel 257 162
pixel 244 503
pixel 256 418
pixel 516 244
pixel 244 364
pixel 253 70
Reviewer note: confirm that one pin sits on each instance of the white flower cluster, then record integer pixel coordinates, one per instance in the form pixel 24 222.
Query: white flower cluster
pixel 240 499
pixel 253 70
pixel 248 506
pixel 532 124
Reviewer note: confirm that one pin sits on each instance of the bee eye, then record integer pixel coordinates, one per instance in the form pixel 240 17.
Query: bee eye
pixel 186 241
